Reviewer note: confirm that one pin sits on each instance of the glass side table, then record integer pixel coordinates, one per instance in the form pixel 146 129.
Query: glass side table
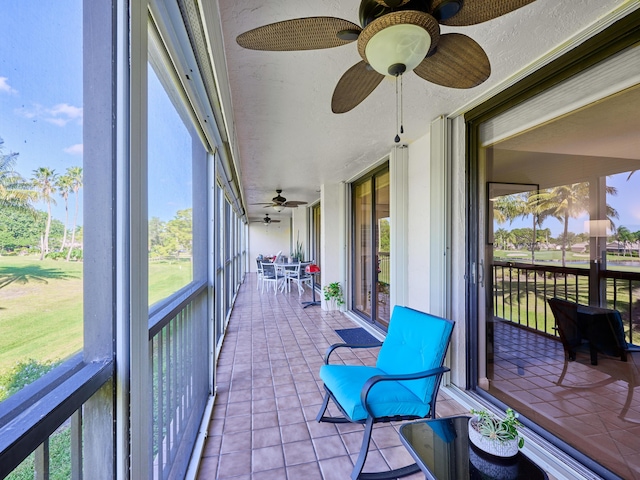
pixel 442 450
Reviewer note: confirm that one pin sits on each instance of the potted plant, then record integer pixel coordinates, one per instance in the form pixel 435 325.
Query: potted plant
pixel 495 436
pixel 333 293
pixel 298 253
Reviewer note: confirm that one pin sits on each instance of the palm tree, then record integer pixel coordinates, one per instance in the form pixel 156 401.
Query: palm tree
pixel 625 237
pixel 64 184
pixel 75 174
pixel 15 191
pixel 44 182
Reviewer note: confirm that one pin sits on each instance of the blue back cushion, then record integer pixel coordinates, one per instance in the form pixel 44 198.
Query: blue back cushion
pixel 416 341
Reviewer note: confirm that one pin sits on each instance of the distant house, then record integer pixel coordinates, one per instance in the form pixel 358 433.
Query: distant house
pixel 615 247
pixel 580 247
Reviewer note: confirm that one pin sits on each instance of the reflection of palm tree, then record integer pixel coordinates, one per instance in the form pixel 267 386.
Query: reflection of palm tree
pixel 568 201
pixel 63 184
pixel 75 174
pixel 625 237
pixel 15 192
pixel 504 237
pixel 44 183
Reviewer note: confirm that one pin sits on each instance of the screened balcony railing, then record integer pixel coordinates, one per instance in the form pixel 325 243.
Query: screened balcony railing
pixel 520 293
pixel 179 338
pixel 46 416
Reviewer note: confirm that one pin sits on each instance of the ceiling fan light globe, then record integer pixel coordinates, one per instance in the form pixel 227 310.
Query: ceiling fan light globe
pixel 278 208
pixel 404 44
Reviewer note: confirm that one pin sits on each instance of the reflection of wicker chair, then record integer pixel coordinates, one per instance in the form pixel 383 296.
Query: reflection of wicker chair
pixel 403 385
pixel 596 330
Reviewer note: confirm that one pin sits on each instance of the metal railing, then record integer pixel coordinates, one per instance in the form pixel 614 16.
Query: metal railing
pixel 51 409
pixel 179 339
pixel 520 293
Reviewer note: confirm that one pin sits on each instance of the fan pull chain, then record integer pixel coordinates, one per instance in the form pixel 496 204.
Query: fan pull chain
pixel 399 109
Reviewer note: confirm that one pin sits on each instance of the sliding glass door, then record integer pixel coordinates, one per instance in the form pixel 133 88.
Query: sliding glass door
pixel 371 247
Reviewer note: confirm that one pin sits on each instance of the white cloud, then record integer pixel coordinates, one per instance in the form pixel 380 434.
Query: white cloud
pixel 60 114
pixel 5 87
pixel 77 149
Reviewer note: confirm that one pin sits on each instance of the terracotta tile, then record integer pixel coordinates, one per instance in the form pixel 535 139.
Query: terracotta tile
pixel 294 433
pixel 234 464
pixel 266 437
pixel 337 468
pixel 306 471
pixel 267 458
pixel 299 452
pixel 328 447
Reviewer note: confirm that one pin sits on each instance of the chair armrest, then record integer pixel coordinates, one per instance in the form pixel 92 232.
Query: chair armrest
pixel 364 393
pixel 339 345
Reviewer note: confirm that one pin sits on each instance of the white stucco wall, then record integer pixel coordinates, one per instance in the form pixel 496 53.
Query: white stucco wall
pixel 333 248
pixel 268 240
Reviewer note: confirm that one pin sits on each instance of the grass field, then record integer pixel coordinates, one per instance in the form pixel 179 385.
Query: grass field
pixel 41 306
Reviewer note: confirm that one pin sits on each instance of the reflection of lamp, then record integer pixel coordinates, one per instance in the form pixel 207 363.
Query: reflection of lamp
pixel 596 228
pixel 398 41
pixel 278 208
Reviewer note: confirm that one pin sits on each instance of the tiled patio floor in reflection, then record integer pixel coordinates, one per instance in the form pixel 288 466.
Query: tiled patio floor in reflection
pixel 269 393
pixel 593 408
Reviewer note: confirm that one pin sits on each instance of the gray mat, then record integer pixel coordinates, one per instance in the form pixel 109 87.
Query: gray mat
pixel 357 336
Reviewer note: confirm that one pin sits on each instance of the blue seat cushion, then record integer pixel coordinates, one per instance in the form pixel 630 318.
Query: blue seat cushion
pixel 416 341
pixel 388 398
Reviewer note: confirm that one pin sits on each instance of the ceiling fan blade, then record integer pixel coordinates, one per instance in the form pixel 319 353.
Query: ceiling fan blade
pixel 459 62
pixel 293 203
pixel 478 11
pixel 300 34
pixel 355 85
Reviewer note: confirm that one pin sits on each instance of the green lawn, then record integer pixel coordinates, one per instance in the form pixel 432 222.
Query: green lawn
pixel 41 305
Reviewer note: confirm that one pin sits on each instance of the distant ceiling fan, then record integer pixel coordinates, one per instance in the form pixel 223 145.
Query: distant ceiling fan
pixel 267 220
pixel 396 36
pixel 279 203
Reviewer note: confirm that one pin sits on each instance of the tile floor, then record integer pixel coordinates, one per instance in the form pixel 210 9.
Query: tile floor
pixel 263 424
pixel 591 407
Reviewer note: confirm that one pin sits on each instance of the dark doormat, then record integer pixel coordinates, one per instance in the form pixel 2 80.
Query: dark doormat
pixel 357 336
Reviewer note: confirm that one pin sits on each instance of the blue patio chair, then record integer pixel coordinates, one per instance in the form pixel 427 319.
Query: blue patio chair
pixel 402 386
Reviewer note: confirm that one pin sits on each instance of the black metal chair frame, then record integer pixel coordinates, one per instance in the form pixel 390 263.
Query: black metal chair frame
pixel 368 423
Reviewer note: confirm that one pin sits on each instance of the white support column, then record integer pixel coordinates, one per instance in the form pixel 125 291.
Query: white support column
pixel 333 242
pixel 94 422
pixel 439 218
pixel 139 381
pixel 399 200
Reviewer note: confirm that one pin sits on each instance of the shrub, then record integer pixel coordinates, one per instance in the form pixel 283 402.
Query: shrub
pixel 22 374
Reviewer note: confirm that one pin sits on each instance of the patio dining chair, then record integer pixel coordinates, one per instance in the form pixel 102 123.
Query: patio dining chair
pixel 271 276
pixel 260 273
pixel 402 386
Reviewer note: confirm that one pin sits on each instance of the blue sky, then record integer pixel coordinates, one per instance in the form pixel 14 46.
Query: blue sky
pixel 41 109
pixel 41 84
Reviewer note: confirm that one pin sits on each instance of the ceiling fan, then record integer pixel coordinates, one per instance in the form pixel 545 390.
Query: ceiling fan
pixel 267 220
pixel 279 203
pixel 395 36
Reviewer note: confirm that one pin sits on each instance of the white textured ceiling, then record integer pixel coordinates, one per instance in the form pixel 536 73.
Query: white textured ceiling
pixel 287 135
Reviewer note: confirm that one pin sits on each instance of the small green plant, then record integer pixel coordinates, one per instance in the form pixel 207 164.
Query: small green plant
pixel 501 430
pixel 333 291
pixel 299 250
